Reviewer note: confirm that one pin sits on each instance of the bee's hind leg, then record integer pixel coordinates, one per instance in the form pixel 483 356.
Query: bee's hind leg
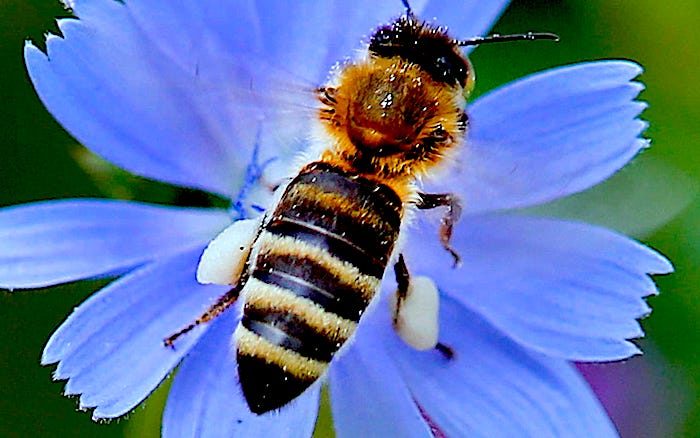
pixel 223 262
pixel 223 303
pixel 428 201
pixel 415 310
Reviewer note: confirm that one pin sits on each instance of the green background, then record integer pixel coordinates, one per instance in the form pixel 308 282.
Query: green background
pixel 41 161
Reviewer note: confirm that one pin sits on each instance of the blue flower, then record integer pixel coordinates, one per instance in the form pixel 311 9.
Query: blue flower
pixel 184 92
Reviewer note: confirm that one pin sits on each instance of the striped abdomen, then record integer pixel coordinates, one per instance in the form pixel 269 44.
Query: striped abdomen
pixel 317 264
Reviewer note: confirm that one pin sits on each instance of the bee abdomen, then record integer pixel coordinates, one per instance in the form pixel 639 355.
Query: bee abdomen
pixel 319 263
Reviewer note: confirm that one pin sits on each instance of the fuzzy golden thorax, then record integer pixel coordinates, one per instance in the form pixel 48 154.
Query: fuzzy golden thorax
pixel 389 118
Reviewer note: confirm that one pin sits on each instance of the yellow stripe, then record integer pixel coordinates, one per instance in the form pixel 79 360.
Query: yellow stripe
pixel 268 297
pixel 348 274
pixel 250 344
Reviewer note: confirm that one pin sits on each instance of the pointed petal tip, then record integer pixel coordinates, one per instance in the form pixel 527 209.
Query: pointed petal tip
pixel 634 67
pixel 633 350
pixel 54 351
pixel 32 54
pixel 645 309
pixel 103 415
pixel 628 67
pixel 57 377
pixel 68 5
pixel 51 41
pixel 637 68
pixel 29 45
pixel 47 358
pixel 624 350
pixel 71 389
pixel 637 332
pixel 628 349
pixel 640 106
pixel 639 86
pixel 617 70
pixel 84 406
pixel 61 374
pixel 664 265
pixel 656 263
pixel 643 126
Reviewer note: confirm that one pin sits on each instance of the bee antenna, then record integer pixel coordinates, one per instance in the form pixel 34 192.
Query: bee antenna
pixel 496 38
pixel 409 11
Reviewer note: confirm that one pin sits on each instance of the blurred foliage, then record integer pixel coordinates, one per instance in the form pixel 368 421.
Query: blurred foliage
pixel 41 161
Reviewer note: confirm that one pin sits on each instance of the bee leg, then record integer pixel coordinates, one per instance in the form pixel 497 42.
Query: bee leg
pixel 402 280
pixel 223 262
pixel 327 96
pixel 429 201
pixel 415 308
pixel 447 351
pixel 223 303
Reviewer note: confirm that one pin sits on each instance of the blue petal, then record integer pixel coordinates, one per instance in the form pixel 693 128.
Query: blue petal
pixel 155 110
pixel 206 401
pixel 550 135
pixel 493 387
pixel 111 348
pixel 47 243
pixel 121 100
pixel 465 18
pixel 369 398
pixel 566 289
pixel 249 66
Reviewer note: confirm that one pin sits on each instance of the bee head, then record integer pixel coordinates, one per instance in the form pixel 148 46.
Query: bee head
pixel 426 46
pixel 407 97
pixel 401 109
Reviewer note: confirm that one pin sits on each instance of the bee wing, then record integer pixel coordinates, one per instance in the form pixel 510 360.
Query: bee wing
pixel 268 108
pixel 224 259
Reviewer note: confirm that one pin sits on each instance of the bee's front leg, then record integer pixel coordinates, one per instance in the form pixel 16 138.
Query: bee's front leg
pixel 428 201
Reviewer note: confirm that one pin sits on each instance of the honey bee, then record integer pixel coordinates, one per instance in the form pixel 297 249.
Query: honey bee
pixel 310 267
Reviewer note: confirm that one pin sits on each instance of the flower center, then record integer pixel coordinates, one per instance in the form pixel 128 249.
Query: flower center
pixel 241 205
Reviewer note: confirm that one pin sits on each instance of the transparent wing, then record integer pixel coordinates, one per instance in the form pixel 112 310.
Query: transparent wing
pixel 269 106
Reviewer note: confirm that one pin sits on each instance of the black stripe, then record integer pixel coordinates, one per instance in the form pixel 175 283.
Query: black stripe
pixel 272 334
pixel 335 245
pixel 289 331
pixel 370 194
pixel 267 386
pixel 352 298
pixel 377 239
pixel 348 308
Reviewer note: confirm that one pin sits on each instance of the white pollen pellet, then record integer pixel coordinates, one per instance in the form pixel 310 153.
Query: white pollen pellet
pixel 417 320
pixel 224 258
